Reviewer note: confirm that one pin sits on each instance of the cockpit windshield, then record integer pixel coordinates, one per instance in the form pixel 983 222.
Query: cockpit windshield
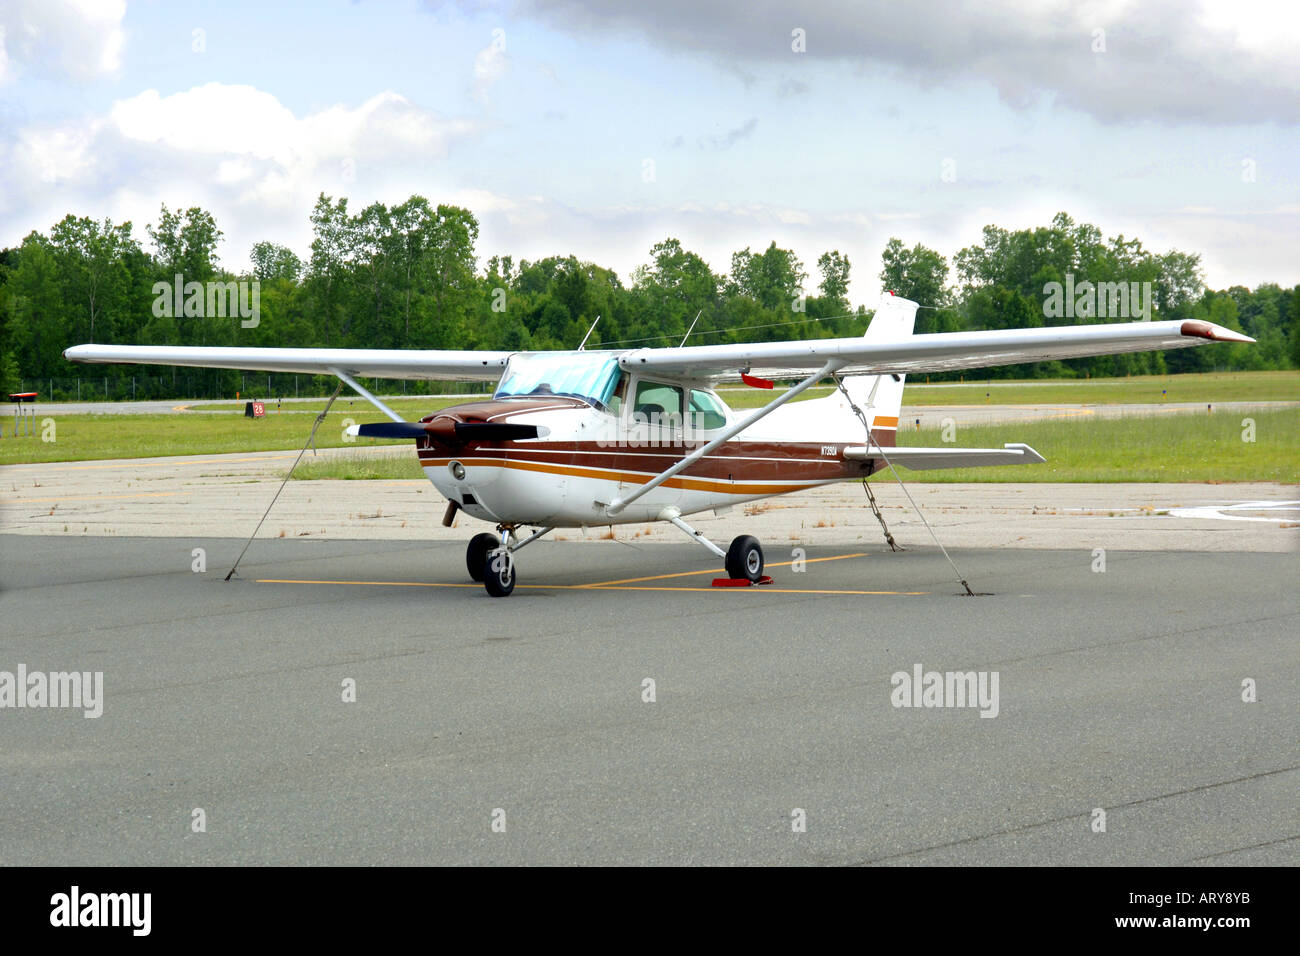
pixel 592 377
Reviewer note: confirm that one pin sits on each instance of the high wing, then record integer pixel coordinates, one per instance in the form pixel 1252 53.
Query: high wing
pixel 933 352
pixel 879 354
pixel 427 364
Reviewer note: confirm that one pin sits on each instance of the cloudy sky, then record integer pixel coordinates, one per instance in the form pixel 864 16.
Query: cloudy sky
pixel 598 127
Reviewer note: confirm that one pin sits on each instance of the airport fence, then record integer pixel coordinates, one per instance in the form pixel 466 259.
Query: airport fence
pixel 222 384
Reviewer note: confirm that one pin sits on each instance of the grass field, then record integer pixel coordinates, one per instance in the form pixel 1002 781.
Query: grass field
pixel 398 465
pixel 1192 447
pixel 413 408
pixel 1169 448
pixel 88 437
pixel 1182 447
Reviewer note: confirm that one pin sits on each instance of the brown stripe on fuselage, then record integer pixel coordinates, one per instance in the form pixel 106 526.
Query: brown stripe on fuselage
pixel 748 462
pixel 763 467
pixel 690 484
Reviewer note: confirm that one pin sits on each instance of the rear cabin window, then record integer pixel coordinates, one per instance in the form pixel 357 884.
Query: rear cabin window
pixel 706 411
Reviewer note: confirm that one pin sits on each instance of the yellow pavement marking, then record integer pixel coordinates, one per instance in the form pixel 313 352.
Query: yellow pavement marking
pixel 766 588
pixel 623 584
pixel 385 584
pixel 713 571
pixel 154 494
pixel 582 587
pixel 176 461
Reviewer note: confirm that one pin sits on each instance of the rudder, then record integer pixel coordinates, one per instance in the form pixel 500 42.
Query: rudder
pixel 881 396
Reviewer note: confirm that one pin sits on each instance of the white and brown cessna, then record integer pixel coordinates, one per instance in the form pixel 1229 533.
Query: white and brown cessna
pixel 601 437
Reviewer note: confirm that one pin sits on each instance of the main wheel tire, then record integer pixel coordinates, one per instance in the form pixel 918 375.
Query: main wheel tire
pixel 499 573
pixel 477 552
pixel 745 558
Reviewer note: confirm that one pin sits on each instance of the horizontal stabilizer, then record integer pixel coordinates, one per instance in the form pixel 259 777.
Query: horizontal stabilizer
pixel 930 459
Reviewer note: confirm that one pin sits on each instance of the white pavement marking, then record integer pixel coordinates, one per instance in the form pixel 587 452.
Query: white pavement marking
pixel 1219 512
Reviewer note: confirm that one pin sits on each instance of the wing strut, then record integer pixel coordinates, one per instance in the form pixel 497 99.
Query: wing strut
pixel 344 378
pixel 617 505
pixel 356 387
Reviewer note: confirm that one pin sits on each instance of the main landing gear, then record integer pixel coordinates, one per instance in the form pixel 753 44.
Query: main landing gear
pixel 492 562
pixel 743 560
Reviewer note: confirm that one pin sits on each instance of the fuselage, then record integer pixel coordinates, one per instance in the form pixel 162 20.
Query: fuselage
pixel 591 452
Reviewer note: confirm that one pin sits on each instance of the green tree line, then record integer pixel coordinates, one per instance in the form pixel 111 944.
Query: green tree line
pixel 408 276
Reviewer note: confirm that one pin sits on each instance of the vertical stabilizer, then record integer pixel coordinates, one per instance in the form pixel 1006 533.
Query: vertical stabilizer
pixel 881 396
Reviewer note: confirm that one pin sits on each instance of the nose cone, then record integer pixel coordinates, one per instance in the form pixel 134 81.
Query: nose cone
pixel 442 427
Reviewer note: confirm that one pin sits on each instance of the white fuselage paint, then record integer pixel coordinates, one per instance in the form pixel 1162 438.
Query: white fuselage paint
pixel 611 460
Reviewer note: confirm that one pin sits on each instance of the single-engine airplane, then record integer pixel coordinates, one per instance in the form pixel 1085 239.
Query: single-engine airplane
pixel 603 437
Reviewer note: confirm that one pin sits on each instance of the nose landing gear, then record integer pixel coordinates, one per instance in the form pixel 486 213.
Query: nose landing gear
pixel 492 562
pixel 499 568
pixel 477 552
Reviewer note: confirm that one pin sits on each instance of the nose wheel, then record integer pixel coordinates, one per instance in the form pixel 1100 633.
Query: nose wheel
pixel 499 572
pixel 490 560
pixel 477 552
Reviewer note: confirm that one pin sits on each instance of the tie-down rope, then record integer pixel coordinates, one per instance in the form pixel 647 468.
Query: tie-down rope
pixel 871 441
pixel 311 443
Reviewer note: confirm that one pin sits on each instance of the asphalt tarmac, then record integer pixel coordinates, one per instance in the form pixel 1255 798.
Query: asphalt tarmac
pixel 521 730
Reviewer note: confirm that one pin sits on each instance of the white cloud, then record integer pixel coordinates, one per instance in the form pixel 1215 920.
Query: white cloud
pixel 52 155
pixel 235 150
pixel 1213 61
pixel 1237 248
pixel 80 39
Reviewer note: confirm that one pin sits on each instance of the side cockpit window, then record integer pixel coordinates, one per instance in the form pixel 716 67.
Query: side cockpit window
pixel 657 403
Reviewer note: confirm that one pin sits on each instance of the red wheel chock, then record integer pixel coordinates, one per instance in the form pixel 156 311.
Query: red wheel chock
pixel 740 582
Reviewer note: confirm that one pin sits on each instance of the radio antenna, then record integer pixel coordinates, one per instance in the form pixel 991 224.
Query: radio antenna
pixel 691 329
pixel 583 346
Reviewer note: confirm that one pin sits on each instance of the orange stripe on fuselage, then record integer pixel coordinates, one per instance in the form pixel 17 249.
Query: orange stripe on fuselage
pixel 885 421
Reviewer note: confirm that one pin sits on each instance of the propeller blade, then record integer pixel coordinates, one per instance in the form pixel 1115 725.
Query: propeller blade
pixel 459 432
pixel 389 430
pixel 494 431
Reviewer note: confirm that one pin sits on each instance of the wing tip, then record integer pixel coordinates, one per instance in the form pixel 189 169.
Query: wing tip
pixel 1196 328
pixel 1032 457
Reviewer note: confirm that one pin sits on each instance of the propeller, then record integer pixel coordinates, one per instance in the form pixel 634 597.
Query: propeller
pixel 457 432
